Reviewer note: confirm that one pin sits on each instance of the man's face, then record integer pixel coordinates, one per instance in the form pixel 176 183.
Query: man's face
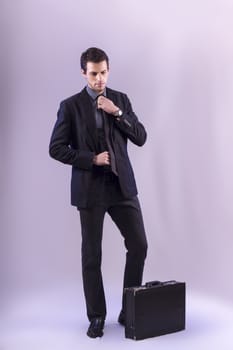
pixel 97 75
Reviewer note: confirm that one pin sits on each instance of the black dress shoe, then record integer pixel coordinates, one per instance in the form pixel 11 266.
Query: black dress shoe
pixel 96 328
pixel 121 318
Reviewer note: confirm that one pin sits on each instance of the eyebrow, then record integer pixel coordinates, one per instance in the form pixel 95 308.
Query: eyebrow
pixel 103 71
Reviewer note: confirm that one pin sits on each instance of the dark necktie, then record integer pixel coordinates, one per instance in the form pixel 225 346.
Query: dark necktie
pixel 108 141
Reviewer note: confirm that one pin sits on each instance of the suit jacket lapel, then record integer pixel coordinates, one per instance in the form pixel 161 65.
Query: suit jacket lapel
pixel 88 117
pixel 111 96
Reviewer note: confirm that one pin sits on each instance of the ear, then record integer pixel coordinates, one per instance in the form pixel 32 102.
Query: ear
pixel 83 73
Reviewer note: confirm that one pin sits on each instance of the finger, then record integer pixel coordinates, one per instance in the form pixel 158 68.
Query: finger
pixel 100 100
pixel 107 159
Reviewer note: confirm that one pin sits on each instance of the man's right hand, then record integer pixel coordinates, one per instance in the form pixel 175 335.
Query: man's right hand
pixel 102 159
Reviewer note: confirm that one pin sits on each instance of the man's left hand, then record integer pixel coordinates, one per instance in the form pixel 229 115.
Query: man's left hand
pixel 107 105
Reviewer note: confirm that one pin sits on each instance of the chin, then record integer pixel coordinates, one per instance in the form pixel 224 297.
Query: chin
pixel 100 89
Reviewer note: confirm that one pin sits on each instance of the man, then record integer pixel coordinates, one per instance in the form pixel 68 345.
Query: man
pixel 91 134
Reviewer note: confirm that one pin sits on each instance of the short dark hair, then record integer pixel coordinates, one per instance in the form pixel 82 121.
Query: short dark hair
pixel 93 54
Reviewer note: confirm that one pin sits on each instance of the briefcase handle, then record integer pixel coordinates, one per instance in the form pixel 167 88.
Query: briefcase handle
pixel 152 284
pixel 159 283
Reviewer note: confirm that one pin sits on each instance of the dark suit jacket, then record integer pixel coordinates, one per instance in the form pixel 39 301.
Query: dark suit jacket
pixel 74 141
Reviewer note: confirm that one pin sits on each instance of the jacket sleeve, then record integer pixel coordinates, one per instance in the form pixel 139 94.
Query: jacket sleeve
pixel 60 143
pixel 129 124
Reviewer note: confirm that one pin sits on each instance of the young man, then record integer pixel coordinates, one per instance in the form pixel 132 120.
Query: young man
pixel 91 134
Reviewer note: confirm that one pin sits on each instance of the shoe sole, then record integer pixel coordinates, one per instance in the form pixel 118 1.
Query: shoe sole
pixel 94 335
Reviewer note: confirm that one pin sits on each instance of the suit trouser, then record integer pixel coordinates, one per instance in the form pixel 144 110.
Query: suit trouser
pixel 128 217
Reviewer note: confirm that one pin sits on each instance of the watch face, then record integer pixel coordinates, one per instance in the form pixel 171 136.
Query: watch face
pixel 120 113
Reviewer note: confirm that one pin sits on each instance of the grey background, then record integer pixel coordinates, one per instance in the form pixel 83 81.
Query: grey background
pixel 174 60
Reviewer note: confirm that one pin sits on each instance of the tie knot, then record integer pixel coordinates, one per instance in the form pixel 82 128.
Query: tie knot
pixel 99 96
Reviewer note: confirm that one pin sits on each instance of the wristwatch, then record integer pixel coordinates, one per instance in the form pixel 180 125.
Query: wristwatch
pixel 118 113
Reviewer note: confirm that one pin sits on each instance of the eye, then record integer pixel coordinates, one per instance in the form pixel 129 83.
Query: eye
pixel 94 74
pixel 104 72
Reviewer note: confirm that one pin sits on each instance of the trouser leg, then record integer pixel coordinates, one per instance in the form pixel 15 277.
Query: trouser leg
pixel 128 218
pixel 92 232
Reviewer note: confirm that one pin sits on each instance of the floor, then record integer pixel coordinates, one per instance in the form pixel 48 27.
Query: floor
pixel 55 320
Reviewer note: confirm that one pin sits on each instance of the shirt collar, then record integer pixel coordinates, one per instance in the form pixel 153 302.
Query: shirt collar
pixel 93 93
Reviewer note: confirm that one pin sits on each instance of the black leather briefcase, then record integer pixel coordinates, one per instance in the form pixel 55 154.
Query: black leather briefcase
pixel 157 308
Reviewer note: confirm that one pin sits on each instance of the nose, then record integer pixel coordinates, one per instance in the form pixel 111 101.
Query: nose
pixel 99 77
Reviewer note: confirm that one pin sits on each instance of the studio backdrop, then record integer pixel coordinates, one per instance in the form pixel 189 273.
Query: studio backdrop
pixel 174 61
